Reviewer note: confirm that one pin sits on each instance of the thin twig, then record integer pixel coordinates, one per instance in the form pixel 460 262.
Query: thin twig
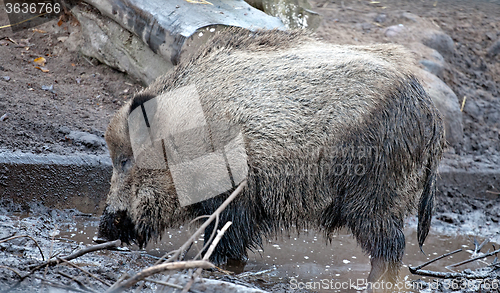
pixel 207 222
pixel 209 239
pixel 181 265
pixel 478 248
pixel 80 252
pixel 11 269
pixel 449 275
pixel 90 62
pixel 85 271
pixel 414 269
pixel 210 250
pixel 164 283
pixel 58 285
pixel 20 236
pixel 474 259
pixel 9 235
pixel 78 282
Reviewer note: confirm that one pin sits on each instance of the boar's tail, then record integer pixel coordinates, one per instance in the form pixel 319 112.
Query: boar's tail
pixel 425 208
pixel 426 204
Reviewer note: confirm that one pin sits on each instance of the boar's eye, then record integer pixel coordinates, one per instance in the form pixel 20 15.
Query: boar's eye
pixel 124 164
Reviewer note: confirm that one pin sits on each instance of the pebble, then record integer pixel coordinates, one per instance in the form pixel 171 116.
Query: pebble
pixel 394 30
pixel 6 78
pixel 433 67
pixel 440 42
pixel 494 49
pixel 381 18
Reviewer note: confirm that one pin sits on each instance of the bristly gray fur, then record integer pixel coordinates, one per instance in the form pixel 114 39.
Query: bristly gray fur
pixel 302 106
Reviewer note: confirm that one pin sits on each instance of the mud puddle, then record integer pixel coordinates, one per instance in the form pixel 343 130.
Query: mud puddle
pixel 290 262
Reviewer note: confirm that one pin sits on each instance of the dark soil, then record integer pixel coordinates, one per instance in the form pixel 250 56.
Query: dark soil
pixel 84 97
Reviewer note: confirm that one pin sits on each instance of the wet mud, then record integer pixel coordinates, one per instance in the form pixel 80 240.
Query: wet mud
pixel 285 263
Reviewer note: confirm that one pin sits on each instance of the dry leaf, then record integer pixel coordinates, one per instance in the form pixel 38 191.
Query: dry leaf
pixel 43 69
pixel 40 61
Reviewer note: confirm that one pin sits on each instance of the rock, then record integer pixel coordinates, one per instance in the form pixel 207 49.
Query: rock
pixel 492 117
pixel 64 130
pixel 394 30
pixel 62 39
pixel 411 17
pixel 114 46
pixel 86 139
pixel 494 49
pixel 472 109
pixel 424 52
pixel 148 38
pixel 439 41
pixel 6 78
pixel 366 26
pixel 491 35
pixel 74 41
pixel 447 103
pixel 433 67
pixel 381 18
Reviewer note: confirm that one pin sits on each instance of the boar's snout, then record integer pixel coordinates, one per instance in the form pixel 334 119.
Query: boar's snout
pixel 117 225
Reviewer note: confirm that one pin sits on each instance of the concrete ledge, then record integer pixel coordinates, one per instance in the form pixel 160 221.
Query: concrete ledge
pixel 78 181
pixel 81 181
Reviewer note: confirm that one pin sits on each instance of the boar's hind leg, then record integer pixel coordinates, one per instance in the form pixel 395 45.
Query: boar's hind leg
pixel 381 235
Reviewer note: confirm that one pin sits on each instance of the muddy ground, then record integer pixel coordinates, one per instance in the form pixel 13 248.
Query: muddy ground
pixel 84 95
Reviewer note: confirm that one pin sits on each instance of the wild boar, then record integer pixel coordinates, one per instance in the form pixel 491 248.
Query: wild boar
pixel 335 136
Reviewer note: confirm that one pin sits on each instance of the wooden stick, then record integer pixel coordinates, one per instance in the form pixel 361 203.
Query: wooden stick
pixel 119 286
pixel 207 222
pixel 414 269
pixel 80 252
pixel 450 275
pixel 210 250
pixel 474 259
pixel 11 269
pixel 58 285
pixel 78 282
pixel 86 272
pixel 164 283
pixel 20 236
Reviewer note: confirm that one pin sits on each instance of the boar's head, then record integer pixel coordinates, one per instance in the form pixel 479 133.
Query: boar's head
pixel 141 203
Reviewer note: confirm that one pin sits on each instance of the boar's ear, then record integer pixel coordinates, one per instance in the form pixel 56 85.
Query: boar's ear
pixel 139 99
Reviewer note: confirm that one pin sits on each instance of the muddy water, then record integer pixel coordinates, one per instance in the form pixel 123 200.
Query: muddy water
pixel 307 257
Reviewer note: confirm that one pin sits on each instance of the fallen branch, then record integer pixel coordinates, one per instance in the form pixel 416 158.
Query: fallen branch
pixel 86 272
pixel 414 269
pixel 11 269
pixel 20 236
pixel 454 275
pixel 53 262
pixel 450 275
pixel 207 222
pixel 210 250
pixel 181 265
pixel 59 285
pixel 78 282
pixel 474 259
pixel 79 253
